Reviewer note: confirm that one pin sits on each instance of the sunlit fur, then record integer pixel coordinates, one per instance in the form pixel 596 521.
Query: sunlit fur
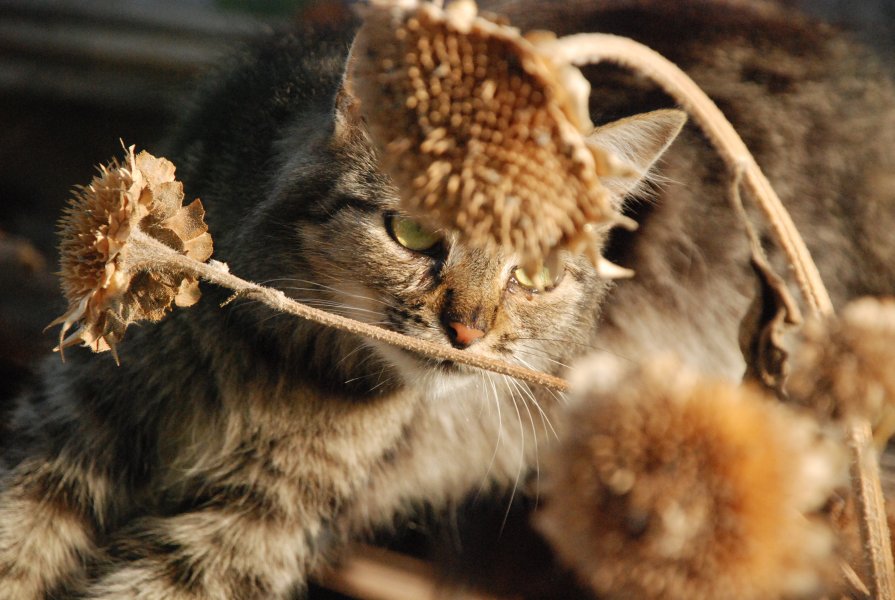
pixel 235 449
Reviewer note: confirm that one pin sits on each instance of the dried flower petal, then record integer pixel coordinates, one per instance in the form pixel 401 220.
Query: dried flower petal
pixel 672 486
pixel 480 129
pixel 107 291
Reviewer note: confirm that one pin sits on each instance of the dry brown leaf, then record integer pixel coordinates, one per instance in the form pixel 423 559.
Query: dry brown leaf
pixel 762 330
pixel 772 312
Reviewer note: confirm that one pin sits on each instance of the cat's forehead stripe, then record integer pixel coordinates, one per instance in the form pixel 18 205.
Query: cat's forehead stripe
pixel 326 211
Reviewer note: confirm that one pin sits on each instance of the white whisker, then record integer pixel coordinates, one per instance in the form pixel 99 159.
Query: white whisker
pixel 562 342
pixel 543 354
pixel 350 354
pixel 381 383
pixel 496 398
pixel 526 390
pixel 517 387
pixel 521 459
pixel 333 289
pixel 562 398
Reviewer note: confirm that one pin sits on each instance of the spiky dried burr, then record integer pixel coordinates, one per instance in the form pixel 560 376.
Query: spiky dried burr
pixel 669 485
pixel 844 366
pixel 105 278
pixel 481 130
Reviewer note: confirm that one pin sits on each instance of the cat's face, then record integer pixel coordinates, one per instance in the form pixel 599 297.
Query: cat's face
pixel 351 251
pixel 382 267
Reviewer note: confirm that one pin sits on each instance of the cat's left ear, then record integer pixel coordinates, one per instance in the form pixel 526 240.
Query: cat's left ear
pixel 346 111
pixel 636 143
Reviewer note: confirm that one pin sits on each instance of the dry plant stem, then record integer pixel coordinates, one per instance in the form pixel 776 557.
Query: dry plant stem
pixel 588 48
pixel 856 586
pixel 152 253
pixel 591 48
pixel 376 574
pixel 874 530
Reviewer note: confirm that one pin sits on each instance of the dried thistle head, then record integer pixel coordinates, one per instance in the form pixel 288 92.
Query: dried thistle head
pixel 103 278
pixel 673 486
pixel 845 366
pixel 482 131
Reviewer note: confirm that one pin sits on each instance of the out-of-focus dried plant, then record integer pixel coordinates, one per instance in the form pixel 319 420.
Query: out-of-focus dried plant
pixel 844 366
pixel 105 278
pixel 844 371
pixel 482 130
pixel 669 485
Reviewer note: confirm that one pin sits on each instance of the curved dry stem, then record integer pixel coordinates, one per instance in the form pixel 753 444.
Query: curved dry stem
pixel 588 48
pixel 592 48
pixel 146 249
pixel 869 496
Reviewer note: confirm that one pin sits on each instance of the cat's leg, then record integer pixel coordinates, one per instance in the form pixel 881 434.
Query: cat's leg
pixel 228 552
pixel 48 521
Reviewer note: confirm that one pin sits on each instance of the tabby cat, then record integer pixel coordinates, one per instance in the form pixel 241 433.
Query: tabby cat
pixel 234 449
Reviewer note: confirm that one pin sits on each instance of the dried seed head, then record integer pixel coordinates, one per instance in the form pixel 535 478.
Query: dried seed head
pixel 482 132
pixel 106 291
pixel 673 486
pixel 845 366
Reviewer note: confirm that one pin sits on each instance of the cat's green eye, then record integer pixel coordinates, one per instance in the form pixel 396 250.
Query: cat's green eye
pixel 545 279
pixel 412 235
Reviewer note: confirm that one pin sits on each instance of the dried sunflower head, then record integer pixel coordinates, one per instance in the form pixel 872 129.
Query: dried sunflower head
pixel 106 281
pixel 482 132
pixel 669 485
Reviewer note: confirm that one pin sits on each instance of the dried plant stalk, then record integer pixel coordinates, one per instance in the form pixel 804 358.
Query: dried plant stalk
pixel 277 300
pixel 588 48
pixel 869 495
pixel 844 370
pixel 376 574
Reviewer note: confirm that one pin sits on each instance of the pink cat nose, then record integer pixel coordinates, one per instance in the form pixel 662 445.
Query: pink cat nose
pixel 464 335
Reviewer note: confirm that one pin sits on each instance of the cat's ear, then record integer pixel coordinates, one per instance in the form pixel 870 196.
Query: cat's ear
pixel 346 111
pixel 635 143
pixel 346 106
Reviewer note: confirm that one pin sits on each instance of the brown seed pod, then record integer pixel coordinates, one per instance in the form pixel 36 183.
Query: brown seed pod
pixel 844 366
pixel 106 290
pixel 669 485
pixel 482 132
